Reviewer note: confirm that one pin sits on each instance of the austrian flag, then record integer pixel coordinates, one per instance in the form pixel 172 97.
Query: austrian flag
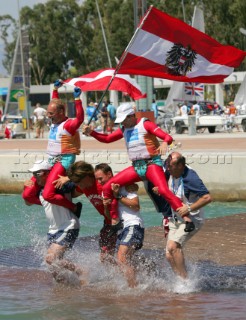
pixel 166 47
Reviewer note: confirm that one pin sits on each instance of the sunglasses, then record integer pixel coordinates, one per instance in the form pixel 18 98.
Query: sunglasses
pixel 38 173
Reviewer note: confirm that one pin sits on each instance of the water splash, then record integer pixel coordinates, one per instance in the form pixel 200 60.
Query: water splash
pixel 153 271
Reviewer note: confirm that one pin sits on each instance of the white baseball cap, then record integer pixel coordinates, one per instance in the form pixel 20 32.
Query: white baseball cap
pixel 40 165
pixel 124 110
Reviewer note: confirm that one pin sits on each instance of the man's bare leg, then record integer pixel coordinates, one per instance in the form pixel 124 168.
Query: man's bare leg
pixel 124 256
pixel 54 258
pixel 175 257
pixel 107 256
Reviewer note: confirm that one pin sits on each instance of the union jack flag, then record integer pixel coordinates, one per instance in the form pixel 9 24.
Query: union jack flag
pixel 195 90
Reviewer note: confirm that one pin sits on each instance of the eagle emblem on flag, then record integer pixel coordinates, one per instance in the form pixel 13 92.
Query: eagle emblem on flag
pixel 180 60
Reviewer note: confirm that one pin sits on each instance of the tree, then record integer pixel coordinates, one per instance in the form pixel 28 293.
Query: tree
pixel 8 33
pixel 56 37
pixel 62 30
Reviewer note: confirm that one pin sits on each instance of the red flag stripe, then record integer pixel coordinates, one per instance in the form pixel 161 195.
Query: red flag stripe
pixel 174 30
pixel 134 65
pixel 158 54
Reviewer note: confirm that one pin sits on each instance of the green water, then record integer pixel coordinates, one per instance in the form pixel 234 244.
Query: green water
pixel 22 225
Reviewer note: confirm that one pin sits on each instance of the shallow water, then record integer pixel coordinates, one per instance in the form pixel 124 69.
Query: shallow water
pixel 28 291
pixel 213 293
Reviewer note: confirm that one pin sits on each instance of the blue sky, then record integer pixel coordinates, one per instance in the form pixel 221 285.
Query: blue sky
pixel 11 6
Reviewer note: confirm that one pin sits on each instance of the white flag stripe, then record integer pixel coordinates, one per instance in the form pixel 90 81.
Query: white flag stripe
pixel 72 82
pixel 99 80
pixel 103 74
pixel 154 48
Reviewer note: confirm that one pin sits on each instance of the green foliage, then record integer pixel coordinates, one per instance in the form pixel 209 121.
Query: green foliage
pixel 62 31
pixel 8 31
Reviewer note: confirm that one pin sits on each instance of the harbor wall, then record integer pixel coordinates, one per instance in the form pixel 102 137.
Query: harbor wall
pixel 223 173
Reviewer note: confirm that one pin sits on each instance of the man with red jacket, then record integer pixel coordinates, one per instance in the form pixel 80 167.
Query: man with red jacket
pixel 63 146
pixel 144 150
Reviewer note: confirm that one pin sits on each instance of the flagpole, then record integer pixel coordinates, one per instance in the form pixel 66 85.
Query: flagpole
pixel 132 39
pixel 121 61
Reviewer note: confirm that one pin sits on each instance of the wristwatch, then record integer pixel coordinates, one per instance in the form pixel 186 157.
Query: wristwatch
pixel 189 208
pixel 119 197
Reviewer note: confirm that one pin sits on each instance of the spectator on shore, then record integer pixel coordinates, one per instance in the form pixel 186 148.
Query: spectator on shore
pixel 155 109
pixel 40 114
pixel 111 116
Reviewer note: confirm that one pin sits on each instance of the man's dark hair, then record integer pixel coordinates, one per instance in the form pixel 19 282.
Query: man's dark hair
pixel 104 167
pixel 80 170
pixel 181 160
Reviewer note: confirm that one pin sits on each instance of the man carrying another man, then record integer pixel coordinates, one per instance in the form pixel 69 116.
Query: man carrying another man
pixel 186 184
pixel 63 224
pixel 131 238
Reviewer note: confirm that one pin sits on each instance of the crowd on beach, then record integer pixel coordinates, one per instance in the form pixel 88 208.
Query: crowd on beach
pixel 175 189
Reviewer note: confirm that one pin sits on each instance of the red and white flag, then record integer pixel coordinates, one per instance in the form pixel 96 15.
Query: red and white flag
pixel 166 47
pixel 99 80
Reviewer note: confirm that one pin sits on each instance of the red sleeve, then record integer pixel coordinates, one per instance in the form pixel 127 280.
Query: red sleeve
pixel 31 194
pixel 55 94
pixel 72 125
pixel 151 127
pixel 114 136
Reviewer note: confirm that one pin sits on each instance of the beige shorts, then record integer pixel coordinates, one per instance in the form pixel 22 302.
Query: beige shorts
pixel 177 233
pixel 40 124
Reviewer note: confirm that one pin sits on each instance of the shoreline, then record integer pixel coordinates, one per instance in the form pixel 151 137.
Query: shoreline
pixel 16 187
pixel 221 241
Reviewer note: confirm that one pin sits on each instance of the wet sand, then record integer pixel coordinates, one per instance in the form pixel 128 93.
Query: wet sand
pixel 221 240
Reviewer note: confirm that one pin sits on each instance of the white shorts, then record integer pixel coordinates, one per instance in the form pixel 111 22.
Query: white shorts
pixel 177 233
